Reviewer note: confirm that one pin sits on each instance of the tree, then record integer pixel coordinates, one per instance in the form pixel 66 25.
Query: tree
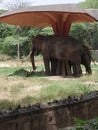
pixel 7 30
pixel 10 43
pixel 86 33
pixel 13 5
pixel 16 4
pixel 90 29
pixel 89 4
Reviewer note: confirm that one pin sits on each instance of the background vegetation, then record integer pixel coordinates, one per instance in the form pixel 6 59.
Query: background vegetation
pixel 11 36
pixel 20 86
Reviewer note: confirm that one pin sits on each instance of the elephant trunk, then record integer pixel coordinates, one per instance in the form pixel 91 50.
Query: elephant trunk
pixel 32 60
pixel 31 56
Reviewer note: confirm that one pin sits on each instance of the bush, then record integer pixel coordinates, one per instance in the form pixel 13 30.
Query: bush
pixel 9 45
pixel 85 125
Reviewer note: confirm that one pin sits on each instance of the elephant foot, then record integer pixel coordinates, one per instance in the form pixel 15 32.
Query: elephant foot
pixel 67 75
pixel 47 74
pixel 34 67
pixel 78 75
pixel 90 72
pixel 32 71
pixel 53 74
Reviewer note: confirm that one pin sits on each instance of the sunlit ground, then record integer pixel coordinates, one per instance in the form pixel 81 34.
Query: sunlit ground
pixel 19 86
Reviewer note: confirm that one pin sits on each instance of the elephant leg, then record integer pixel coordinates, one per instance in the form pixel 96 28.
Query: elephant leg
pixel 68 68
pixel 47 66
pixel 74 70
pixel 77 71
pixel 63 68
pixel 53 66
pixel 59 67
pixel 86 59
pixel 32 61
pixel 88 70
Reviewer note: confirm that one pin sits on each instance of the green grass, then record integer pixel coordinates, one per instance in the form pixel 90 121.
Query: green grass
pixel 10 70
pixel 5 104
pixel 85 125
pixel 19 86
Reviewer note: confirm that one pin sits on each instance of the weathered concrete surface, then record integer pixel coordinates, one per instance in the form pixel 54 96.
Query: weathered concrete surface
pixel 51 116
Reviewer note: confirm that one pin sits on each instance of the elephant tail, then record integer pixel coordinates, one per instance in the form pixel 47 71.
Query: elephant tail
pixel 93 60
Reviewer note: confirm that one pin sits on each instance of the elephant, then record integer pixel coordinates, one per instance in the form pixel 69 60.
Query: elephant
pixel 86 59
pixel 63 49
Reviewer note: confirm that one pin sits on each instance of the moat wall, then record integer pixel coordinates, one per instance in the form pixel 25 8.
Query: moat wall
pixel 51 116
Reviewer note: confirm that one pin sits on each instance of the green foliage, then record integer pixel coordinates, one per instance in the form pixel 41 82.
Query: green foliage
pixel 78 121
pixel 7 30
pixel 78 31
pixel 85 125
pixel 10 37
pixel 25 88
pixel 89 4
pixel 84 88
pixel 6 104
pixel 40 31
pixel 0 45
pixel 9 45
pixel 2 11
pixel 46 31
pixel 86 33
pixel 22 72
pixel 24 31
pixel 28 99
pixel 7 70
pixel 24 43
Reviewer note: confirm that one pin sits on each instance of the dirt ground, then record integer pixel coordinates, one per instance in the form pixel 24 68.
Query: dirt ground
pixel 13 63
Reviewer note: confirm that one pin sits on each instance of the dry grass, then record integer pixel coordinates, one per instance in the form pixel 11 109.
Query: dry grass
pixel 19 89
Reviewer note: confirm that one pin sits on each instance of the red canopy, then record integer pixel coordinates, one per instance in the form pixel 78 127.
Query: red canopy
pixel 59 16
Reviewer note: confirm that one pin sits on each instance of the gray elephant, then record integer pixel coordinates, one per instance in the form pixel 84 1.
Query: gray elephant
pixel 62 48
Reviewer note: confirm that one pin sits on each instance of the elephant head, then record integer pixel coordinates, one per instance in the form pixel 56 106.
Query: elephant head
pixel 36 45
pixel 86 59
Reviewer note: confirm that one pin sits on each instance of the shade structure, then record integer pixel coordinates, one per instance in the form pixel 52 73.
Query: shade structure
pixel 93 13
pixel 58 16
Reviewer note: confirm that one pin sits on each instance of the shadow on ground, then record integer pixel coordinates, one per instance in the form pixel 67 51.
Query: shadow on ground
pixel 26 73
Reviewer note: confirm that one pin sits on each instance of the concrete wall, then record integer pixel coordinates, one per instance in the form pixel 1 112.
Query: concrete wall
pixel 51 116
